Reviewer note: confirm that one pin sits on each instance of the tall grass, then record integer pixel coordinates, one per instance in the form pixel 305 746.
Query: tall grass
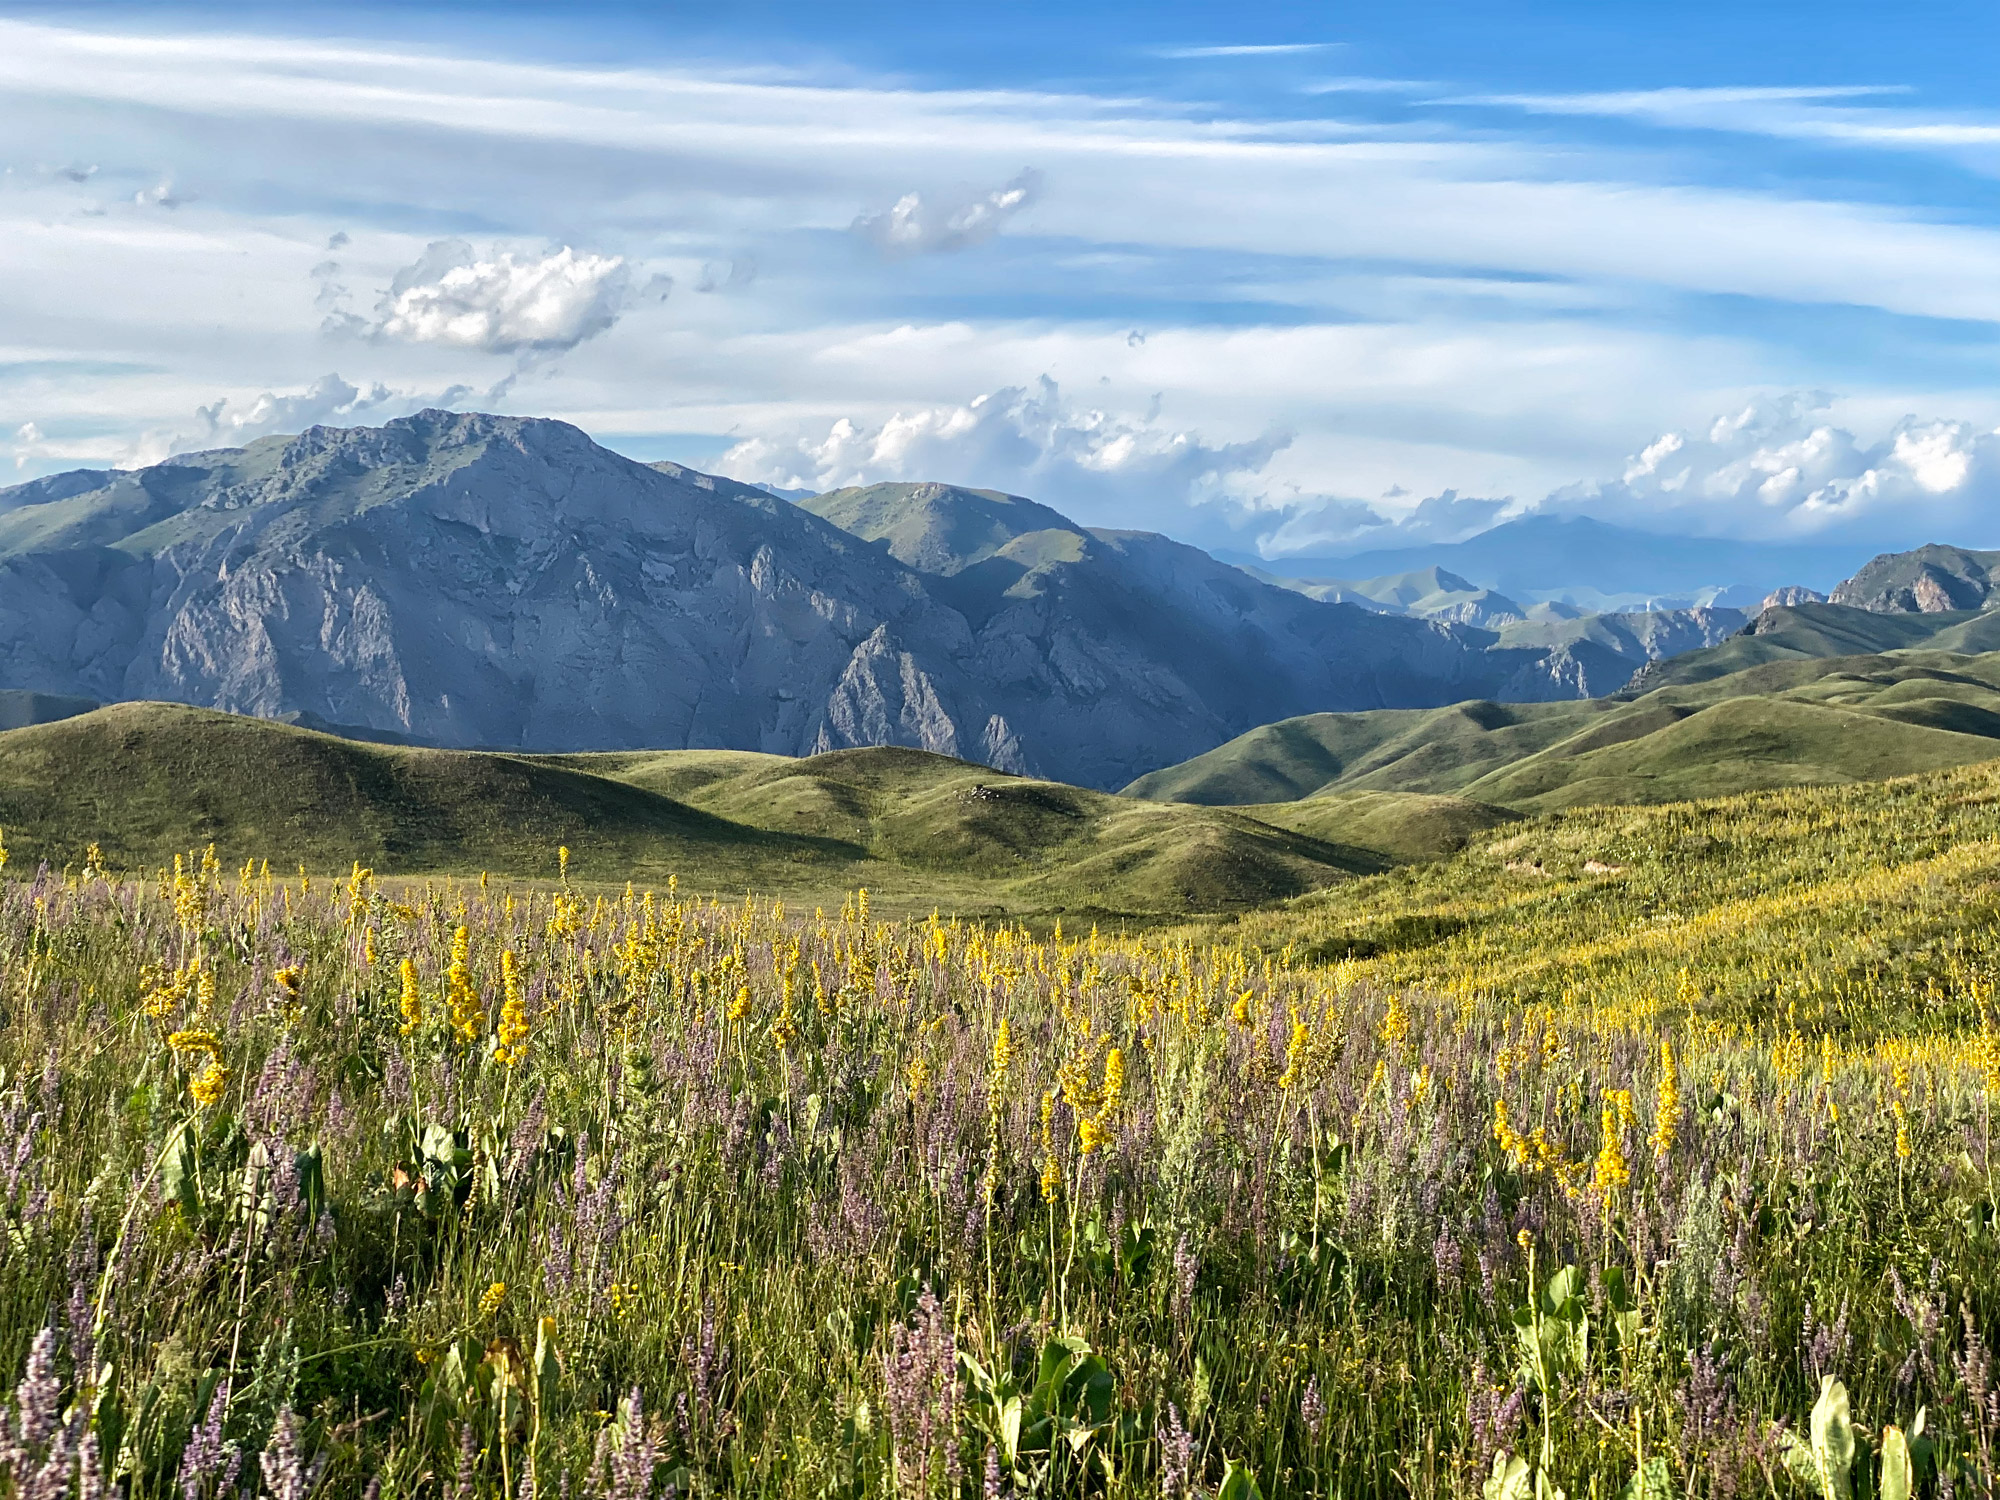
pixel 316 1186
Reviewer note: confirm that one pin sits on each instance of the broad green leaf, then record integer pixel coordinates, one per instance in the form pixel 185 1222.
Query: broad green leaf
pixel 1652 1481
pixel 1512 1479
pixel 1898 1476
pixel 1238 1483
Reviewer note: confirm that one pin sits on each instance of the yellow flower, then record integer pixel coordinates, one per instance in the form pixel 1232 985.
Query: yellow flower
pixel 739 1008
pixel 1667 1112
pixel 3 848
pixel 490 1300
pixel 1114 1081
pixel 196 1041
pixel 461 999
pixel 290 981
pixel 1611 1172
pixel 1295 1055
pixel 562 862
pixel 1089 1135
pixel 1051 1179
pixel 207 1087
pixel 513 1036
pixel 919 1074
pixel 412 1003
pixel 1396 1023
pixel 1003 1054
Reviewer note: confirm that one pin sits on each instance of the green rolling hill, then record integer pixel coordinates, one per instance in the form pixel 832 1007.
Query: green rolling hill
pixel 1790 721
pixel 145 780
pixel 1816 631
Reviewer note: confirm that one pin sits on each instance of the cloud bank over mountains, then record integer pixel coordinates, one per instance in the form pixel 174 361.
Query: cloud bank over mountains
pixel 1331 308
pixel 1027 440
pixel 1776 468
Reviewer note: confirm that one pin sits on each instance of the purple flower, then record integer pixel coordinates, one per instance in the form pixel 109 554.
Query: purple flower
pixel 203 1454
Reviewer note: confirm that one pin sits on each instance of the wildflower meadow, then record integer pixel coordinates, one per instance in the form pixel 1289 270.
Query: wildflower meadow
pixel 470 1188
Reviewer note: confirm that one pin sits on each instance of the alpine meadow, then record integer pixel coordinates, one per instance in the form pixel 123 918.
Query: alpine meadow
pixel 1051 752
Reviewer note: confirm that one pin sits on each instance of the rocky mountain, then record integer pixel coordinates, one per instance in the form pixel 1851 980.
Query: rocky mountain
pixel 1099 640
pixel 1931 580
pixel 471 580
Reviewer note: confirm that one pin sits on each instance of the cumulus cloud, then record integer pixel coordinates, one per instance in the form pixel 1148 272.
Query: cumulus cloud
pixel 328 400
pixel 500 303
pixel 1781 467
pixel 917 225
pixel 1106 467
pixel 28 444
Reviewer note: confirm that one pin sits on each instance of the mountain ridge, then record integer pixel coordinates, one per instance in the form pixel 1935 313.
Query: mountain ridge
pixel 470 580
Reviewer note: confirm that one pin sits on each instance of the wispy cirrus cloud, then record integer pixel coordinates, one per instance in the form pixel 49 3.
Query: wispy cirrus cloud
pixel 1247 49
pixel 1848 115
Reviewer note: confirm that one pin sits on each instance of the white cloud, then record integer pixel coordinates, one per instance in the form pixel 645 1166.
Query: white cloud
pixel 1025 440
pixel 916 225
pixel 329 400
pixel 1781 467
pixel 503 304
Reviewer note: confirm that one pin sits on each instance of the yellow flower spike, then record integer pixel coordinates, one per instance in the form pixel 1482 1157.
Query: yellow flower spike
pixel 491 1299
pixel 461 998
pixel 512 1037
pixel 1667 1111
pixel 1295 1055
pixel 1611 1172
pixel 412 1001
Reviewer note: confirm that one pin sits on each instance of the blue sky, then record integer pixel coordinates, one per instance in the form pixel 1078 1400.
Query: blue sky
pixel 1254 275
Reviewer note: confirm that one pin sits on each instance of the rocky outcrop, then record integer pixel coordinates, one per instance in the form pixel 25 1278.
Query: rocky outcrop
pixel 1930 580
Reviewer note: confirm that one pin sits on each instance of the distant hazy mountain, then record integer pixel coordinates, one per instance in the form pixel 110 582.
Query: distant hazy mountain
pixel 1426 594
pixel 1596 564
pixel 470 580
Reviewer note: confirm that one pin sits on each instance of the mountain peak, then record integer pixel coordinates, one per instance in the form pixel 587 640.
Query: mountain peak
pixel 936 528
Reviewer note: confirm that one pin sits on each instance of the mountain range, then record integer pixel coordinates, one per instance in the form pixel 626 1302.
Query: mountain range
pixel 457 579
pixel 1593 565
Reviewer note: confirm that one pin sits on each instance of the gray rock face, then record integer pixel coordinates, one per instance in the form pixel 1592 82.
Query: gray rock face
pixel 488 581
pixel 1931 580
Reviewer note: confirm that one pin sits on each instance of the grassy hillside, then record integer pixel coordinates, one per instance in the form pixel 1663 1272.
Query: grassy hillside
pixel 1400 826
pixel 1790 722
pixel 1838 909
pixel 1807 631
pixel 147 780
